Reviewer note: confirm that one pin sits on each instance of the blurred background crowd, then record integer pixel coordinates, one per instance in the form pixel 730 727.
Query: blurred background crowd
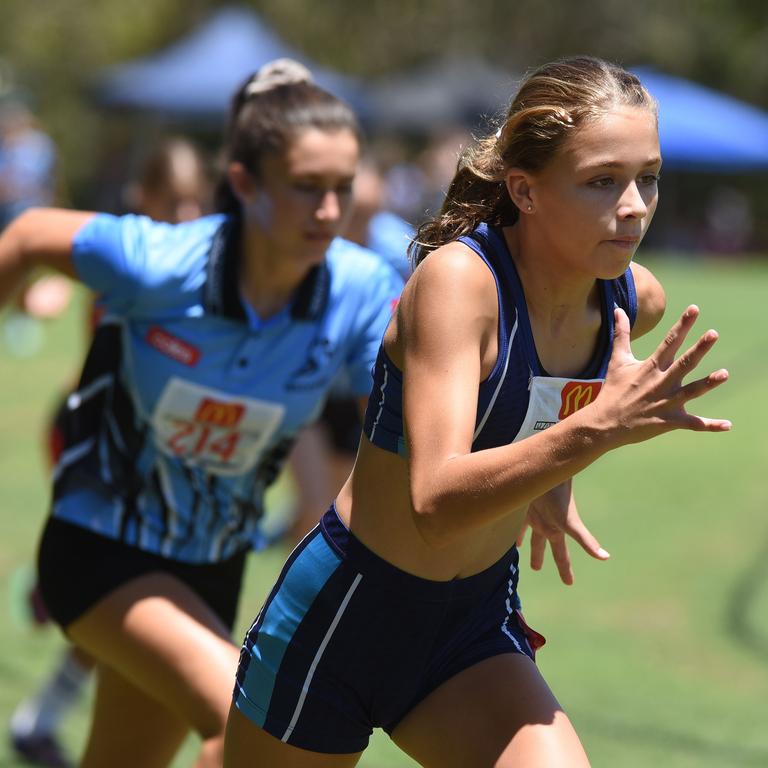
pixel 85 89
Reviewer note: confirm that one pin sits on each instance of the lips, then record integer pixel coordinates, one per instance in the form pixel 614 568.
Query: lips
pixel 318 237
pixel 625 242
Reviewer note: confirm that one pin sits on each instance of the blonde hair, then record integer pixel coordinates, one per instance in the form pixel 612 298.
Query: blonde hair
pixel 551 104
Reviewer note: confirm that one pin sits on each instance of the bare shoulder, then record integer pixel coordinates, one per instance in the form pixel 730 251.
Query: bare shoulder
pixel 450 295
pixel 651 300
pixel 453 273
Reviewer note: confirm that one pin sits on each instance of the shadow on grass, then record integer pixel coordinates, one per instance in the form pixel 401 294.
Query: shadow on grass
pixel 711 753
pixel 745 593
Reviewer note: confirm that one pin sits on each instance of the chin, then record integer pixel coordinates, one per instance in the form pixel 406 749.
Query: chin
pixel 314 256
pixel 610 269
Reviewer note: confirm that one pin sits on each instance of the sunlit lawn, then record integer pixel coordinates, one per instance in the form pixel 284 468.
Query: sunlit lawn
pixel 660 655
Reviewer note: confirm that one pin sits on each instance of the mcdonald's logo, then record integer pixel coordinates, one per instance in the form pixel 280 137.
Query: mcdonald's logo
pixel 577 394
pixel 219 414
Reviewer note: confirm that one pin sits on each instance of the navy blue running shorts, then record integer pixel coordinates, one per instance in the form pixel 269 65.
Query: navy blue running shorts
pixel 347 642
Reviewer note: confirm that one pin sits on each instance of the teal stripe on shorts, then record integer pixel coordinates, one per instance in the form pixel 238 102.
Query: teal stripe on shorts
pixel 281 620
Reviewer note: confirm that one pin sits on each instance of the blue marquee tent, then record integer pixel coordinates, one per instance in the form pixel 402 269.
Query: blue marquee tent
pixel 197 76
pixel 701 129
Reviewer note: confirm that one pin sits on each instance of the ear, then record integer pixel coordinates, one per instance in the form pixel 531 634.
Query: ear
pixel 243 184
pixel 520 188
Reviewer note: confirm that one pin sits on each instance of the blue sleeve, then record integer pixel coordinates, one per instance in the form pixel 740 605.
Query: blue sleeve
pixel 390 236
pixel 109 259
pixel 136 264
pixel 384 287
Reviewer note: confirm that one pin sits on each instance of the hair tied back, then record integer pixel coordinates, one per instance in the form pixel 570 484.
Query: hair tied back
pixel 276 73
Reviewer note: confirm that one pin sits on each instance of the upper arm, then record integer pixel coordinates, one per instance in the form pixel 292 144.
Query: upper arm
pixel 448 313
pixel 651 300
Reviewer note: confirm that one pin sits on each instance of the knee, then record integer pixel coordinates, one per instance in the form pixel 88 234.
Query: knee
pixel 211 753
pixel 554 745
pixel 211 723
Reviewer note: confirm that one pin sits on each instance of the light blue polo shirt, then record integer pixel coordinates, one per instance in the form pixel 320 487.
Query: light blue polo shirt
pixel 189 403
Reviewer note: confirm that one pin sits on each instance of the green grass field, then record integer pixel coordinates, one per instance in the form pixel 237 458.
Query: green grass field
pixel 659 655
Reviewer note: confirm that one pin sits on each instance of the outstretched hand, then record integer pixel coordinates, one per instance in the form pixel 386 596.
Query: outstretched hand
pixel 551 518
pixel 644 398
pixel 47 297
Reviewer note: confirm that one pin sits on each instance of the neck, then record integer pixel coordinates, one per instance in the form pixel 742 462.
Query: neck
pixel 555 292
pixel 268 278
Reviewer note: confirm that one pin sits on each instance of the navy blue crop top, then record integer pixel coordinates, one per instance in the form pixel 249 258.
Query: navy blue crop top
pixel 503 396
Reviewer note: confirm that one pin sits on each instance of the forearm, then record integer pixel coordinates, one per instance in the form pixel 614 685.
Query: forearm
pixel 470 491
pixel 13 266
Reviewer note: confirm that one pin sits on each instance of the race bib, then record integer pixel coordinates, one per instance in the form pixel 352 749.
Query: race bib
pixel 553 399
pixel 214 430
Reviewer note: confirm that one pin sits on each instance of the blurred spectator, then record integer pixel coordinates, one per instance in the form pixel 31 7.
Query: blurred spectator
pixel 416 185
pixel 371 225
pixel 173 184
pixel 438 163
pixel 27 178
pixel 730 223
pixel 27 162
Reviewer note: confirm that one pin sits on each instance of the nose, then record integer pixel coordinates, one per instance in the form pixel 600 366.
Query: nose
pixel 329 208
pixel 632 203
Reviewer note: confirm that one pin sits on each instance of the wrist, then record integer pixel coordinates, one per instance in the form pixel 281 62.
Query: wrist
pixel 596 430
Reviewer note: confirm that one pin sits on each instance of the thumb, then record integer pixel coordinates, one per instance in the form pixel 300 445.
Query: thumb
pixel 622 351
pixel 621 330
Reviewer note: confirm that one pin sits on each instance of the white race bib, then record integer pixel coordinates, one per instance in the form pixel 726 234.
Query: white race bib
pixel 221 433
pixel 552 399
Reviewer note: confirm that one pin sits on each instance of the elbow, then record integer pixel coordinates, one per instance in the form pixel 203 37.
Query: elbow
pixel 25 221
pixel 429 522
pixel 14 236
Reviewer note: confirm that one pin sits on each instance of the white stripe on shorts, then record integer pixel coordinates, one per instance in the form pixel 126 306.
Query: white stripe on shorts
pixel 316 660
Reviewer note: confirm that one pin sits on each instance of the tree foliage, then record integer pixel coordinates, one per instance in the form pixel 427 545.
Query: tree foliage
pixel 55 48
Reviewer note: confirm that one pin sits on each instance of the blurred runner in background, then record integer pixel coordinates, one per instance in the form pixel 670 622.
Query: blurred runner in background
pixel 220 340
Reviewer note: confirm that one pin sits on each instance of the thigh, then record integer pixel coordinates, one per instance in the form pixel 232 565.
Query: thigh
pixel 130 728
pixel 246 745
pixel 161 637
pixel 498 713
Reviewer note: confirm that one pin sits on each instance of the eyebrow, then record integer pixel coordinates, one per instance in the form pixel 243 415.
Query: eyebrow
pixel 318 176
pixel 616 164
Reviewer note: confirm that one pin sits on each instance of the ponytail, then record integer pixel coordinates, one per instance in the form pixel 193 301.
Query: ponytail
pixel 476 194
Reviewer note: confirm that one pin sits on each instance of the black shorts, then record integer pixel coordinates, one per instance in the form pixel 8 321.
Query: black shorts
pixel 77 568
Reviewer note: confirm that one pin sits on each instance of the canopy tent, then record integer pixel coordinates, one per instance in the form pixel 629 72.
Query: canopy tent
pixel 197 76
pixel 452 91
pixel 701 129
